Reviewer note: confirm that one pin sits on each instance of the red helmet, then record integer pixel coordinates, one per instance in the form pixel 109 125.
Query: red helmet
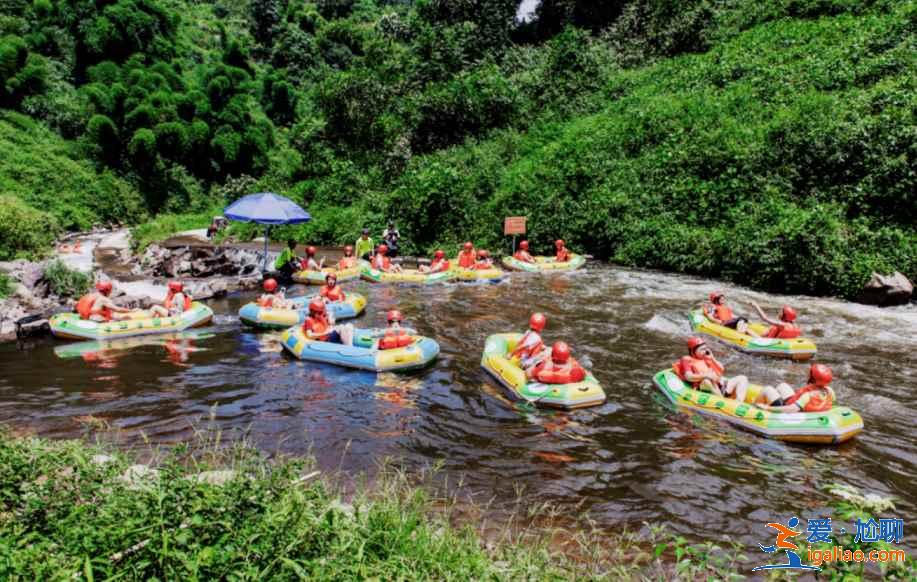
pixel 317 306
pixel 176 286
pixel 310 250
pixel 524 245
pixel 559 243
pixel 382 249
pixel 820 375
pixel 482 254
pixel 270 285
pixel 394 315
pixel 788 313
pixel 104 287
pixel 560 353
pixel 694 342
pixel 537 321
pixel 439 254
pixel 468 246
pixel 331 277
pixel 715 295
pixel 348 250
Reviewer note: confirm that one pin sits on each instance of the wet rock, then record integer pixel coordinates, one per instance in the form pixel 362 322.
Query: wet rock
pixel 207 289
pixel 886 290
pixel 139 476
pixel 215 477
pixel 249 283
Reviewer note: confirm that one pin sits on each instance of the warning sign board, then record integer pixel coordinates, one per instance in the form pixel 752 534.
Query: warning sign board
pixel 514 225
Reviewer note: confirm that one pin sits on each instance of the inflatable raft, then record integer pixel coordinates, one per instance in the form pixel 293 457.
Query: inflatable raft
pixel 71 326
pixel 363 355
pixel 511 376
pixel 544 264
pixel 409 276
pixel 269 318
pixel 491 275
pixel 832 427
pixel 318 277
pixel 796 349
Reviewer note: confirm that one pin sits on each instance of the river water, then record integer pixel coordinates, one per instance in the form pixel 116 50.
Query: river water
pixel 629 461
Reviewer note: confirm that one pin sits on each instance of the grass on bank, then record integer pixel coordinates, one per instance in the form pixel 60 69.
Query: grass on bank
pixel 65 515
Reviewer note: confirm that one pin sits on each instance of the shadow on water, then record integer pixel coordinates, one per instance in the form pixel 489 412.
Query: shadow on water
pixel 629 461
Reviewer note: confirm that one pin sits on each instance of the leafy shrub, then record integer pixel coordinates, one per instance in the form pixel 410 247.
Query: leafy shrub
pixel 66 282
pixel 24 231
pixel 6 285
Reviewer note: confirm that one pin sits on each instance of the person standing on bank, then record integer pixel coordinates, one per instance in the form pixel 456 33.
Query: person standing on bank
pixel 364 246
pixel 390 237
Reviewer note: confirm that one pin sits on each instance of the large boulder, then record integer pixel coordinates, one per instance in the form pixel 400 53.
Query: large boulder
pixel 886 290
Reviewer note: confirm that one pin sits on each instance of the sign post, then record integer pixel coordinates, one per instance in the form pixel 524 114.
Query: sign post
pixel 514 225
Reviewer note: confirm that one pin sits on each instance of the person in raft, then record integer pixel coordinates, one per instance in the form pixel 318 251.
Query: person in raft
pixel 273 296
pixel 319 327
pixel 381 262
pixel 309 263
pixel 98 306
pixel 718 312
pixel 704 372
pixel 287 262
pixel 560 369
pixel 530 350
pixel 563 254
pixel 330 291
pixel 466 257
pixel 395 336
pixel 364 245
pixel 175 303
pixel 483 261
pixel 348 261
pixel 439 264
pixel 522 253
pixel 782 329
pixel 816 396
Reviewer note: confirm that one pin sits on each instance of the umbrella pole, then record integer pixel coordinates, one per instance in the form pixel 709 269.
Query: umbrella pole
pixel 267 229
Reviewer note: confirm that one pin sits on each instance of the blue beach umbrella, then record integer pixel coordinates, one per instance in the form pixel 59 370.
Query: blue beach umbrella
pixel 268 209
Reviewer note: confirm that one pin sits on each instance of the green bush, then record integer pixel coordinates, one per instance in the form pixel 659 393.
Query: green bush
pixel 66 282
pixel 6 285
pixel 24 231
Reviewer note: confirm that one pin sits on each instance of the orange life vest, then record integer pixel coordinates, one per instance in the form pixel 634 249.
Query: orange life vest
pixel 723 313
pixel 523 256
pixel 266 300
pixel 170 301
pixel 551 373
pixel 813 398
pixel 347 262
pixel 466 259
pixel 563 255
pixel 85 304
pixel 332 293
pixel 319 327
pixel 483 266
pixel 382 263
pixel 439 266
pixel 783 331
pixel 394 338
pixel 532 350
pixel 697 366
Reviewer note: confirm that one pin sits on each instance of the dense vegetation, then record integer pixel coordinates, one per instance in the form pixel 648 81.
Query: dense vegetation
pixel 768 143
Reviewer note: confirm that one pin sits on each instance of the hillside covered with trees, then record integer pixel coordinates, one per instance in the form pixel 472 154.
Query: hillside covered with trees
pixel 770 143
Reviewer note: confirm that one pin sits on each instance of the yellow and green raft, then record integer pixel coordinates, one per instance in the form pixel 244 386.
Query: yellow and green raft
pixel 364 353
pixel 831 427
pixel 406 276
pixel 72 326
pixel 544 264
pixel 506 371
pixel 492 275
pixel 318 277
pixel 270 318
pixel 795 349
